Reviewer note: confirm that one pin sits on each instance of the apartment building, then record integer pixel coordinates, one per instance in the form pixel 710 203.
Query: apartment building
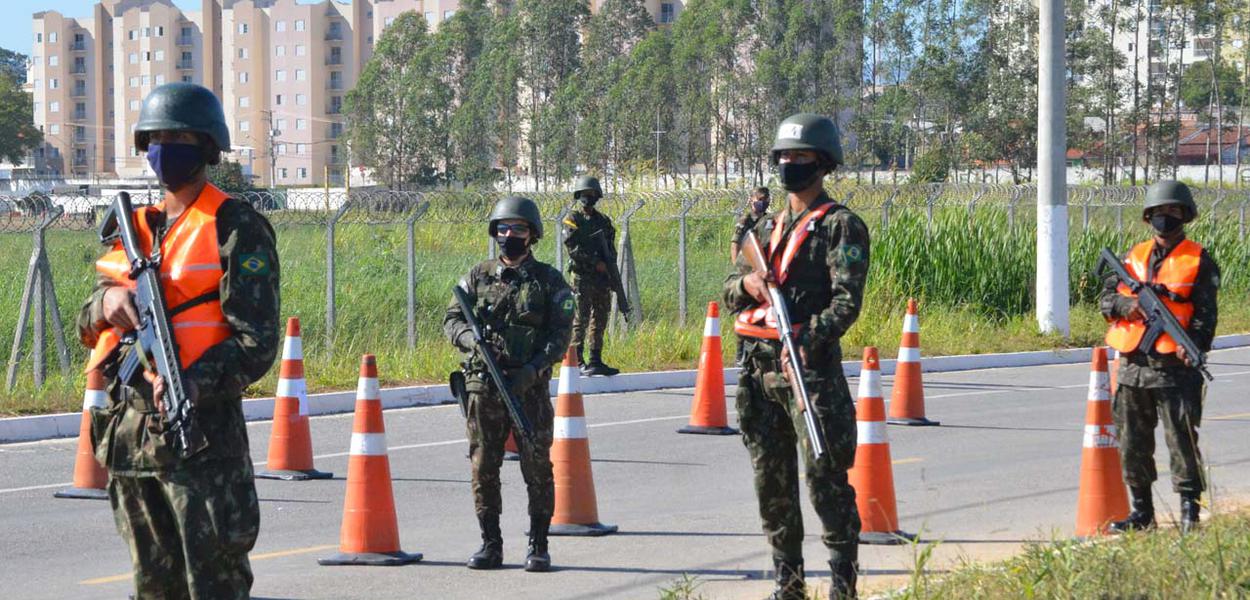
pixel 281 67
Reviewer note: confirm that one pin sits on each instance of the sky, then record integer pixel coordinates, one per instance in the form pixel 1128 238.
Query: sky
pixel 15 32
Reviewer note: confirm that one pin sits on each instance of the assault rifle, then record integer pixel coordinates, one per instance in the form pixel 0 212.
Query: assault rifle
pixel 794 362
pixel 614 274
pixel 511 402
pixel 1159 320
pixel 155 337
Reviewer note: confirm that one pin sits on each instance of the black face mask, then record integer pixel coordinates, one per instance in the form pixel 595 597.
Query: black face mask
pixel 1165 224
pixel 796 178
pixel 759 206
pixel 589 201
pixel 512 247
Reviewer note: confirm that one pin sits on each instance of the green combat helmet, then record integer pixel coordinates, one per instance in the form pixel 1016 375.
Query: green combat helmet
pixel 184 107
pixel 1166 192
pixel 587 184
pixel 517 207
pixel 807 131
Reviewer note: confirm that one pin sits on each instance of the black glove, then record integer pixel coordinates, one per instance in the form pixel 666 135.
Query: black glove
pixel 523 377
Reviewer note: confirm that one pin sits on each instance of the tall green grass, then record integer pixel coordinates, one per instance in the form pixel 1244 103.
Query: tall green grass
pixel 972 274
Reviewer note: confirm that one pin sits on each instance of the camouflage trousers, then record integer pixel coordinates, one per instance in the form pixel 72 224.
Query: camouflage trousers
pixel 594 306
pixel 1137 411
pixel 189 530
pixel 488 426
pixel 772 427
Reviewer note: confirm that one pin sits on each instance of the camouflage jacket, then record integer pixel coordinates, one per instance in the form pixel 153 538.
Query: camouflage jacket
pixel 526 310
pixel 824 290
pixel 1147 368
pixel 746 222
pixel 582 233
pixel 250 302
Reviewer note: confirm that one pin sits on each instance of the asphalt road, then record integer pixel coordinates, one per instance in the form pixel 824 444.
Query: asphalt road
pixel 1002 469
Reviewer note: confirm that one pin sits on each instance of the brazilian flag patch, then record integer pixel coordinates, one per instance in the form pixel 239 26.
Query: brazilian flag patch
pixel 853 253
pixel 568 306
pixel 254 264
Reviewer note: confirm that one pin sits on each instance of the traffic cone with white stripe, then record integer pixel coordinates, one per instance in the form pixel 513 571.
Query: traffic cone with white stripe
pixel 510 450
pixel 576 510
pixel 370 534
pixel 290 440
pixel 90 479
pixel 707 413
pixel 1103 497
pixel 907 397
pixel 872 476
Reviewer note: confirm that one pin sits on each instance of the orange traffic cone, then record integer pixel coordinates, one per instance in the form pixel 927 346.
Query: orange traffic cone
pixel 1103 497
pixel 1115 369
pixel 370 534
pixel 290 441
pixel 576 511
pixel 907 397
pixel 707 413
pixel 90 478
pixel 510 450
pixel 872 476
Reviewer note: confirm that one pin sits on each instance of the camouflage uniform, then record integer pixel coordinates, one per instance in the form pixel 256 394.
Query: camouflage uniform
pixel 528 311
pixel 190 524
pixel 1154 386
pixel 824 292
pixel 745 223
pixel 592 288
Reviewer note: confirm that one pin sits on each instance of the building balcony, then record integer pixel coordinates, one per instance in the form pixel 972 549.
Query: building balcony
pixel 78 93
pixel 78 70
pixel 185 64
pixel 78 46
pixel 334 35
pixel 333 85
pixel 184 40
pixel 334 60
pixel 80 115
pixel 334 110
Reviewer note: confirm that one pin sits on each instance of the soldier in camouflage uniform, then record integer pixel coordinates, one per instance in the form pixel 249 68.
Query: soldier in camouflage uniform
pixel 585 234
pixel 823 285
pixel 189 524
pixel 757 208
pixel 1158 383
pixel 527 311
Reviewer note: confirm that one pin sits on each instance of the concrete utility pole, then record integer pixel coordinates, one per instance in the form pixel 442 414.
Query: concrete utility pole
pixel 657 134
pixel 1052 185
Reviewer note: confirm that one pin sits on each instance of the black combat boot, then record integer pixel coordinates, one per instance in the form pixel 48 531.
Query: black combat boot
pixel 790 585
pixel 490 555
pixel 596 366
pixel 581 356
pixel 536 559
pixel 843 574
pixel 1143 515
pixel 1189 511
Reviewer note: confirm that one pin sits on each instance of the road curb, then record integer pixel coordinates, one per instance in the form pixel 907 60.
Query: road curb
pixel 42 427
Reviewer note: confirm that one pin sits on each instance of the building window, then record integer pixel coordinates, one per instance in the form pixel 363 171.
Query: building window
pixel 160 55
pixel 447 14
pixel 279 51
pixel 429 16
pixel 147 57
pixel 52 61
pixel 186 79
pixel 53 83
pixel 277 100
pixel 134 105
pixel 242 28
pixel 280 75
pixel 301 173
pixel 38 38
pixel 160 31
pixel 51 37
pixel 300 50
pixel 245 126
pixel 54 106
pixel 279 124
pixel 147 32
pixel 301 100
pixel 132 34
pixel 279 26
pixel 666 12
pixel 147 80
pixel 242 76
pixel 159 79
pixel 299 25
pixel 54 129
pixel 300 75
pixel 243 53
pixel 244 102
pixel 301 123
pixel 133 58
pixel 134 81
pixel 301 149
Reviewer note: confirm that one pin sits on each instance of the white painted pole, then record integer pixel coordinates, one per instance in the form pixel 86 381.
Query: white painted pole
pixel 1052 188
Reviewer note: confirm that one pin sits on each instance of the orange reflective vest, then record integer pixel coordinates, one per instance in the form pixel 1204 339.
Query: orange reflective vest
pixel 759 322
pixel 190 275
pixel 1177 273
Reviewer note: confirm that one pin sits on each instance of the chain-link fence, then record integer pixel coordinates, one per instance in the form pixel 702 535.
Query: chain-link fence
pixel 370 266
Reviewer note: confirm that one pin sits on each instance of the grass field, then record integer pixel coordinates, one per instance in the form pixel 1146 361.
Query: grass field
pixel 972 274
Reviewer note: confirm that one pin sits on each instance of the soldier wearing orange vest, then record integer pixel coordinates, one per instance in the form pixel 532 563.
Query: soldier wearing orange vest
pixel 1159 382
pixel 189 523
pixel 818 251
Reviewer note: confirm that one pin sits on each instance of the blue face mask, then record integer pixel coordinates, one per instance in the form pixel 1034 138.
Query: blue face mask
pixel 175 164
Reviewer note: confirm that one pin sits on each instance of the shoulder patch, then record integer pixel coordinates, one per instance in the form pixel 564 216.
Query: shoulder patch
pixel 564 299
pixel 254 265
pixel 572 224
pixel 852 253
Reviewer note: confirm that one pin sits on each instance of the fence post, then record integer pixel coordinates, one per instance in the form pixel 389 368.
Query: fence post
pixel 972 206
pixel 1241 220
pixel 422 206
pixel 564 212
pixel 935 191
pixel 334 219
pixel 885 208
pixel 686 206
pixel 37 294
